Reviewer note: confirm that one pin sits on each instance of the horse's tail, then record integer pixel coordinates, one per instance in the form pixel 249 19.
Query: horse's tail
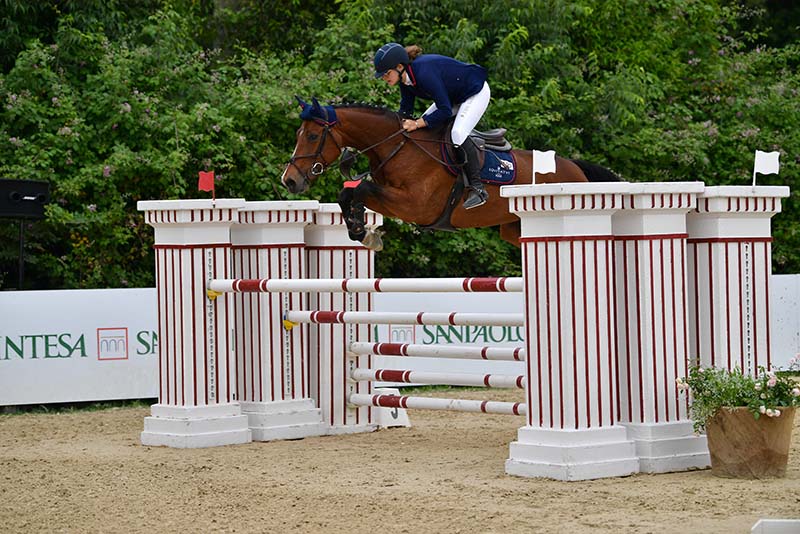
pixel 596 173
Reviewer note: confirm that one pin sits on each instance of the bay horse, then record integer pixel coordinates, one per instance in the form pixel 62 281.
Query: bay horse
pixel 409 180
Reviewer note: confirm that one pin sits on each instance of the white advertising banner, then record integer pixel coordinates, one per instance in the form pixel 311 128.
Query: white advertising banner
pixel 91 345
pixel 784 318
pixel 77 345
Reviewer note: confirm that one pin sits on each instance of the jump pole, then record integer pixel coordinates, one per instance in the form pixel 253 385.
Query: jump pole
pixel 422 318
pixel 449 379
pixel 463 352
pixel 426 403
pixel 372 285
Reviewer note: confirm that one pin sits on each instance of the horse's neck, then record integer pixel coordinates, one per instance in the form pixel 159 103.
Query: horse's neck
pixel 362 130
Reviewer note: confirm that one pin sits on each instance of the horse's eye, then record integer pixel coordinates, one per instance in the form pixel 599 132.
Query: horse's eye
pixel 313 137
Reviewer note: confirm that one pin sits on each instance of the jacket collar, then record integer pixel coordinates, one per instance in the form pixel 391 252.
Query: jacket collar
pixel 411 77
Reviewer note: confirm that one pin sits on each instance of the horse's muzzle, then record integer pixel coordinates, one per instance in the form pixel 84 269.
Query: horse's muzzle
pixel 295 185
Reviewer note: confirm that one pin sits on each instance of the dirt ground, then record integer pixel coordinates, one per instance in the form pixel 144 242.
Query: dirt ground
pixel 87 472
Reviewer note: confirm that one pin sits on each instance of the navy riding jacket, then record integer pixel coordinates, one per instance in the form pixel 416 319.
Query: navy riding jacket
pixel 446 81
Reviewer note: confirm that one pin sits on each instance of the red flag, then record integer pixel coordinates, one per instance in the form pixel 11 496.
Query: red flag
pixel 206 181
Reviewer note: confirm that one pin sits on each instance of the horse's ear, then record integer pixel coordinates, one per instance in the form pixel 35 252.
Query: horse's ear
pixel 317 106
pixel 300 101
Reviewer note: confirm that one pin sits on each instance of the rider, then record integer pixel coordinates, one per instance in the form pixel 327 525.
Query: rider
pixel 456 88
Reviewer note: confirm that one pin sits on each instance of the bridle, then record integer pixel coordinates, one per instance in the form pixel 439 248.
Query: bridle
pixel 318 167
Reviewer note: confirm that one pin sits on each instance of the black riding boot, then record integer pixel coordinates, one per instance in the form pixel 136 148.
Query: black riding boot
pixel 468 153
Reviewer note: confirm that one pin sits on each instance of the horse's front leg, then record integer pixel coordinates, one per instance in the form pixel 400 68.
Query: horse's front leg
pixel 352 202
pixel 353 214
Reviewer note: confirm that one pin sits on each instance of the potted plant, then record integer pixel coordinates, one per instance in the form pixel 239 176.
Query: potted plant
pixel 748 420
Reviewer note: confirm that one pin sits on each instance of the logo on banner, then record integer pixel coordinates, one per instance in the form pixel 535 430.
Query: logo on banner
pixel 402 334
pixel 112 343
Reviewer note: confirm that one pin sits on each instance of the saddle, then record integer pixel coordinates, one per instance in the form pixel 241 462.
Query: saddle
pixel 493 140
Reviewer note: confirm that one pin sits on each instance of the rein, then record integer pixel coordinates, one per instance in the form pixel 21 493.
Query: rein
pixel 350 155
pixel 418 144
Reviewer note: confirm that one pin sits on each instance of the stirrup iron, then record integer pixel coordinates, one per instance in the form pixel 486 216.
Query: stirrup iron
pixel 476 198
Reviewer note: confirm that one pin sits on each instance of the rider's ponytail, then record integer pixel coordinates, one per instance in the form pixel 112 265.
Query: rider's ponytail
pixel 413 51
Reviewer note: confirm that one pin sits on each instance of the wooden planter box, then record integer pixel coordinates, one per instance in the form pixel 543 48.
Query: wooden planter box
pixel 742 446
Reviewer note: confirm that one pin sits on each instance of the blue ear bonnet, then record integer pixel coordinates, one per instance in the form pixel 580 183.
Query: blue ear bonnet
pixel 325 115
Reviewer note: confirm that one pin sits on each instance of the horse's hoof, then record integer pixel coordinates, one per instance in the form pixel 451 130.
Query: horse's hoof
pixel 373 241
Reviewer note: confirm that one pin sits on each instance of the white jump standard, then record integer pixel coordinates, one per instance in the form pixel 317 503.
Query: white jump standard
pixel 651 321
pixel 273 384
pixel 197 405
pixel 567 238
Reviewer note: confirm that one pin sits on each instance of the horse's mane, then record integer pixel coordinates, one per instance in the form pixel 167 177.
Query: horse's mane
pixel 372 108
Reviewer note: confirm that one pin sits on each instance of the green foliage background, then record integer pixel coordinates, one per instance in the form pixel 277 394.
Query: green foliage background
pixel 118 101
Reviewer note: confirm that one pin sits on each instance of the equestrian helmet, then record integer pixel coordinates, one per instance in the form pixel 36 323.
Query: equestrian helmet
pixel 388 57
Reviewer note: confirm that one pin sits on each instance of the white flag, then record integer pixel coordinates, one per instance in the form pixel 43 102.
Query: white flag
pixel 766 163
pixel 544 162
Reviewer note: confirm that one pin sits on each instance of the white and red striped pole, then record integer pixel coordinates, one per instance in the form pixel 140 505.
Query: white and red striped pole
pixel 406 376
pixel 372 285
pixel 197 405
pixel 410 318
pixel 271 365
pixel 330 253
pixel 729 266
pixel 462 352
pixel 428 403
pixel 651 339
pixel 567 245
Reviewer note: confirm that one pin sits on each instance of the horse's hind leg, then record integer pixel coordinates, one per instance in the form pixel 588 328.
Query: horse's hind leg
pixel 511 232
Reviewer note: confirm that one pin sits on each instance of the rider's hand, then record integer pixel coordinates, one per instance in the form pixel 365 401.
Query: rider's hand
pixel 411 125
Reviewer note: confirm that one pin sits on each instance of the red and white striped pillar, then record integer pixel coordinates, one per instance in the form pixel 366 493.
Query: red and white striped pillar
pixel 572 432
pixel 271 365
pixel 729 266
pixel 197 405
pixel 331 253
pixel 651 319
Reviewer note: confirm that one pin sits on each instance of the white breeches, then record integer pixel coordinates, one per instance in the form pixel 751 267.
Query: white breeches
pixel 467 114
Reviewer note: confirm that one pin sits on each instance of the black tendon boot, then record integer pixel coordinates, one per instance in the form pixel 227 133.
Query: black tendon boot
pixel 468 153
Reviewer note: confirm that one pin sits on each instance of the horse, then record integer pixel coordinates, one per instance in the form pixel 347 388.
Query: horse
pixel 408 177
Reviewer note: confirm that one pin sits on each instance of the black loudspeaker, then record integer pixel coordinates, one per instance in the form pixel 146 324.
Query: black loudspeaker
pixel 23 199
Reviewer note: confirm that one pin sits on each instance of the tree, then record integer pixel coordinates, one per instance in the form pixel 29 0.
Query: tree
pixel 113 102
